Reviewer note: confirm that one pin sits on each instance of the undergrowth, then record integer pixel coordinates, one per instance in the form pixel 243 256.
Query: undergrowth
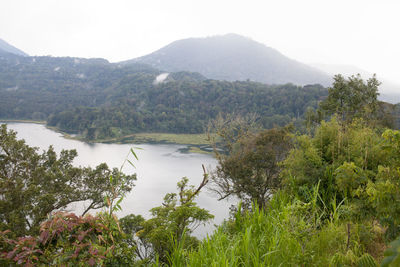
pixel 287 233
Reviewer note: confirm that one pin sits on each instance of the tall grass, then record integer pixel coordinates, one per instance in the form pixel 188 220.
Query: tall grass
pixel 287 233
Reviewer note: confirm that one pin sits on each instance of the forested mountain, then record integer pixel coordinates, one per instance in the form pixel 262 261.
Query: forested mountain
pixel 232 57
pixel 97 99
pixel 6 48
pixel 35 87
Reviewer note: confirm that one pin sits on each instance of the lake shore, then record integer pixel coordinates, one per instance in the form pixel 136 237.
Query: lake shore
pixel 159 167
pixel 196 143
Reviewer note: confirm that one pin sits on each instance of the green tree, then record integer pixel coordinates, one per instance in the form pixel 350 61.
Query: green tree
pixel 33 185
pixel 354 98
pixel 248 167
pixel 174 221
pixel 131 225
pixel 355 164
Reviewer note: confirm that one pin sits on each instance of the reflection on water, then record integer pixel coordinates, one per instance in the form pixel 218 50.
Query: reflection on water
pixel 158 170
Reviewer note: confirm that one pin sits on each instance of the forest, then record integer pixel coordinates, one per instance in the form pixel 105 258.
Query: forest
pixel 97 100
pixel 325 196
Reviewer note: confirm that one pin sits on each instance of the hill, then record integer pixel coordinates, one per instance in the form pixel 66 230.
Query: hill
pixel 35 87
pixel 97 99
pixel 6 48
pixel 232 57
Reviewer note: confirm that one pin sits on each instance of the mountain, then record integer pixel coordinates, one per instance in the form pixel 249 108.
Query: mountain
pixel 232 57
pixel 389 91
pixel 7 48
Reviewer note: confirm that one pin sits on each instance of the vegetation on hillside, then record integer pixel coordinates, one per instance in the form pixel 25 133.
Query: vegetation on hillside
pixel 187 107
pixel 33 185
pixel 98 100
pixel 326 197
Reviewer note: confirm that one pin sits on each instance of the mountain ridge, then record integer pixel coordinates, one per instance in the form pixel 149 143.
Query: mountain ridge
pixel 232 57
pixel 6 48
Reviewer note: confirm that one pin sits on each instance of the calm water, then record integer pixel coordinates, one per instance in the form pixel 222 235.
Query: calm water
pixel 158 170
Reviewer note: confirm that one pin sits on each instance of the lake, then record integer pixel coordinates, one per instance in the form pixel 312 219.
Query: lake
pixel 159 168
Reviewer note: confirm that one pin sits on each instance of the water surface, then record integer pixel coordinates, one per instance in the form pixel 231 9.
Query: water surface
pixel 158 169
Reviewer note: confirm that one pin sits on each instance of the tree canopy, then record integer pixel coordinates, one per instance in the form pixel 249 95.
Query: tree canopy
pixel 355 98
pixel 248 165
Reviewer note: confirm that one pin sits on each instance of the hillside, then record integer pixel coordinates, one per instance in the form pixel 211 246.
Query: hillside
pixel 232 57
pixel 35 87
pixel 97 99
pixel 6 48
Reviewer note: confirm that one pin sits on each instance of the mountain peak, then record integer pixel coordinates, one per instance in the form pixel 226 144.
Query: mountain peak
pixel 7 48
pixel 232 57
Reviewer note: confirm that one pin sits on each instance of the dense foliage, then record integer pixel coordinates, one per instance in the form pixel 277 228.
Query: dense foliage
pixel 287 233
pixel 248 160
pixel 328 198
pixel 187 107
pixel 97 100
pixel 338 200
pixel 174 221
pixel 64 240
pixel 32 185
pixel 355 98
pixel 35 87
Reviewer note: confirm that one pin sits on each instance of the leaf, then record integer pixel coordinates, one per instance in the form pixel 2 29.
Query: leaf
pixel 119 200
pixel 134 154
pixel 130 163
pixel 91 262
pixel 44 236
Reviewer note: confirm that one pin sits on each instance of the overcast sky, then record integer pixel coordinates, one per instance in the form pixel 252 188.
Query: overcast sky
pixel 362 33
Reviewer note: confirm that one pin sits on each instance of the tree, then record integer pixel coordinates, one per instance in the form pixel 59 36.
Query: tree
pixel 248 167
pixel 352 98
pixel 173 221
pixel 33 185
pixel 131 225
pixel 355 165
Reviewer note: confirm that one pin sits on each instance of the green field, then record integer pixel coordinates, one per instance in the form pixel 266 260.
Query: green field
pixel 24 121
pixel 197 143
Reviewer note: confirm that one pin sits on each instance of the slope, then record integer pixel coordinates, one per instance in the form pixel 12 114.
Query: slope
pixel 6 48
pixel 232 57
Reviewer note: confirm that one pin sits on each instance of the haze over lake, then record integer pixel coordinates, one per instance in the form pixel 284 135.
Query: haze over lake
pixel 159 168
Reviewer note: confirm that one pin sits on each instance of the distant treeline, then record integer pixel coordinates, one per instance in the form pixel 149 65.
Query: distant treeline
pixel 97 99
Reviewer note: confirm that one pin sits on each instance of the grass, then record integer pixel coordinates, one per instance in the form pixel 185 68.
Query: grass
pixel 283 235
pixel 196 143
pixel 24 121
pixel 186 139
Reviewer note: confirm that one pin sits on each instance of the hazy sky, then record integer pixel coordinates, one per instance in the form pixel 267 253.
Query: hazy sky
pixel 357 32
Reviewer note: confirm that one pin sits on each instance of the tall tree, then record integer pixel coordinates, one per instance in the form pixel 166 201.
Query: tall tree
pixel 352 98
pixel 248 168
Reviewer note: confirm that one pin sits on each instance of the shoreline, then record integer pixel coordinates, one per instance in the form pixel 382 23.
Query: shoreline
pixel 196 143
pixel 23 121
